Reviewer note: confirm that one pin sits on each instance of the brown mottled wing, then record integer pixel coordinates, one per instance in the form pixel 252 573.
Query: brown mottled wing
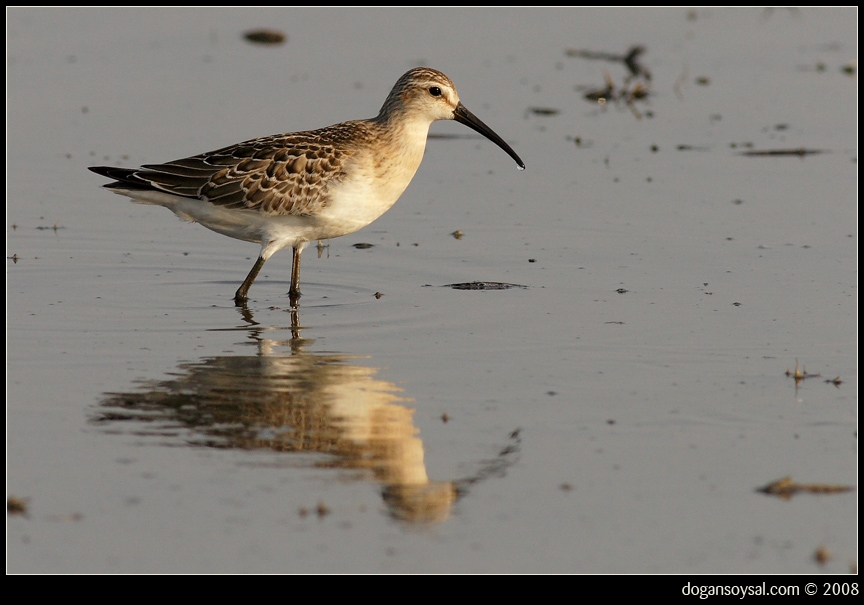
pixel 280 174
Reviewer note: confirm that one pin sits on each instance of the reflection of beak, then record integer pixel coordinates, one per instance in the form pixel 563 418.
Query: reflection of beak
pixel 463 116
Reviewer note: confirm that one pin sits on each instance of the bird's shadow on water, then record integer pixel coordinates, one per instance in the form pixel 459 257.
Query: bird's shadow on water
pixel 319 409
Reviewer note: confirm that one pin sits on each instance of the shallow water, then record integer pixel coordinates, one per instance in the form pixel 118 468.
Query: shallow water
pixel 615 415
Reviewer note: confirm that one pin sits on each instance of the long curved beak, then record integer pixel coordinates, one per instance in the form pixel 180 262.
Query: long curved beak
pixel 463 116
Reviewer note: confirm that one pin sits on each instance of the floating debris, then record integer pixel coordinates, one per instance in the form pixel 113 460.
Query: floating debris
pixel 800 374
pixel 786 488
pixel 484 285
pixel 362 245
pixel 822 556
pixel 630 60
pixel 800 152
pixel 850 69
pixel 627 94
pixel 16 505
pixel 543 111
pixel 601 95
pixel 265 36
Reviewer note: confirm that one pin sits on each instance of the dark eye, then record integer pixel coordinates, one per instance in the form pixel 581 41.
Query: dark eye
pixel 435 91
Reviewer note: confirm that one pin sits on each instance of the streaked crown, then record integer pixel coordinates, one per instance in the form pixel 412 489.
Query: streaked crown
pixel 421 90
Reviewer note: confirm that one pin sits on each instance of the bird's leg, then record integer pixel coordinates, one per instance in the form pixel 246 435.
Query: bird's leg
pixel 243 291
pixel 294 292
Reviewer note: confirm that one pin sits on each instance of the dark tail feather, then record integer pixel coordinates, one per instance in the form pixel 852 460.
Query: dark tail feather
pixel 124 177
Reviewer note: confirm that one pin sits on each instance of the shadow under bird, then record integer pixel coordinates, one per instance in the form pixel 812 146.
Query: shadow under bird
pixel 291 189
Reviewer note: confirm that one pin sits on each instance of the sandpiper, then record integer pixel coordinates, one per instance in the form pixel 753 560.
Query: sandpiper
pixel 295 188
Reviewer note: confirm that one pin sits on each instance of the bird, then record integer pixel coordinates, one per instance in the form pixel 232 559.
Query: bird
pixel 287 190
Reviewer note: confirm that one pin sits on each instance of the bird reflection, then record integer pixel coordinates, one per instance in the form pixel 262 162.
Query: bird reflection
pixel 284 398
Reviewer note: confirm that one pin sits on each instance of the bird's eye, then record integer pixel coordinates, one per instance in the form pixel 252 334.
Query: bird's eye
pixel 435 91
